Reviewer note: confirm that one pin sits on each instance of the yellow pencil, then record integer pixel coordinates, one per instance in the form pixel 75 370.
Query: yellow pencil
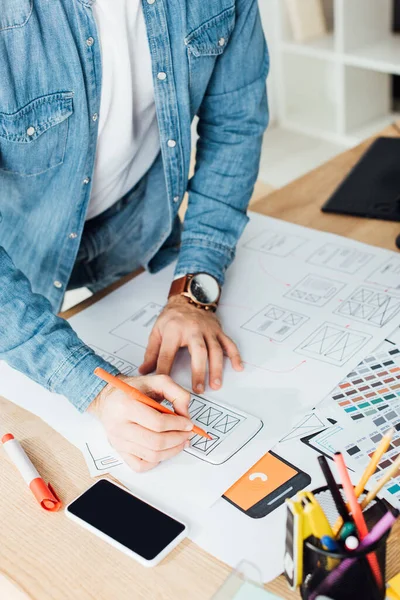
pixel 370 470
pixel 391 472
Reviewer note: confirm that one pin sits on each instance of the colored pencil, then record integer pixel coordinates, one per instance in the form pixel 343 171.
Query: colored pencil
pixel 370 470
pixel 391 472
pixel 357 514
pixel 140 397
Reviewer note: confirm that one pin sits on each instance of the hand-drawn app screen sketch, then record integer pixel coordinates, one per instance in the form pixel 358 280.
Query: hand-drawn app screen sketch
pixel 370 306
pixel 340 258
pixel 138 327
pixel 315 290
pixel 229 428
pixel 275 322
pixel 275 243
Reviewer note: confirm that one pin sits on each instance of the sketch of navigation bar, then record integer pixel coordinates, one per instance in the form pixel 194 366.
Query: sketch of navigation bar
pixel 275 322
pixel 138 327
pixel 388 274
pixel 340 258
pixel 315 290
pixel 370 307
pixel 276 243
pixel 124 366
pixel 333 344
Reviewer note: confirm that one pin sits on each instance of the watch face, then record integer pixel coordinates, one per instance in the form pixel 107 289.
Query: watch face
pixel 204 288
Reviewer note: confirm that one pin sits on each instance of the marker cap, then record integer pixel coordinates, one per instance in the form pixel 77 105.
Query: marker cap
pixel 45 495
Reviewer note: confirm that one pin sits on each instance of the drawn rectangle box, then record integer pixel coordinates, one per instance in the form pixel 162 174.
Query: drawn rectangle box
pixel 124 366
pixel 370 306
pixel 275 323
pixel 387 274
pixel 340 258
pixel 138 327
pixel 272 242
pixel 315 290
pixel 333 344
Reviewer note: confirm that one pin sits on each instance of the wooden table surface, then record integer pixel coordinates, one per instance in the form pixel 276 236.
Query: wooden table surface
pixel 47 557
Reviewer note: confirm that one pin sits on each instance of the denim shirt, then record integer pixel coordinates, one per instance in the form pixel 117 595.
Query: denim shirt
pixel 215 59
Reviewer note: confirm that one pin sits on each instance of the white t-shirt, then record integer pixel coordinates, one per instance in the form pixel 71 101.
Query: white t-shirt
pixel 128 137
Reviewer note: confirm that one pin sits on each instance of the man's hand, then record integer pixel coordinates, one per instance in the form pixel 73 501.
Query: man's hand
pixel 183 325
pixel 143 436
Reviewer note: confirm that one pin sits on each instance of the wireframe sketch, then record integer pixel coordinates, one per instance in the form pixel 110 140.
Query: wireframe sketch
pixel 276 243
pixel 315 290
pixel 101 460
pixel 333 344
pixel 370 307
pixel 387 274
pixel 340 258
pixel 229 429
pixel 138 327
pixel 124 366
pixel 310 423
pixel 275 322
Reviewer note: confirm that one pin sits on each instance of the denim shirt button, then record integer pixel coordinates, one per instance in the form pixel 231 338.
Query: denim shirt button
pixel 95 116
pixel 171 143
pixel 90 41
pixel 150 1
pixel 162 76
pixel 73 236
pixel 30 130
pixel 86 180
pixel 221 42
pixel 176 198
pixel 57 284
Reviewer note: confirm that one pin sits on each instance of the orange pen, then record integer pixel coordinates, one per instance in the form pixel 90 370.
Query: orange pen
pixel 140 397
pixel 357 514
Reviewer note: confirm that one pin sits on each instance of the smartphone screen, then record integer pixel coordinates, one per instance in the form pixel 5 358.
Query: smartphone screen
pixel 126 519
pixel 266 485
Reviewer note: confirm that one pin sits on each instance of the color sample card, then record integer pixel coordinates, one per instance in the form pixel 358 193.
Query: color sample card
pixel 372 387
pixel 358 443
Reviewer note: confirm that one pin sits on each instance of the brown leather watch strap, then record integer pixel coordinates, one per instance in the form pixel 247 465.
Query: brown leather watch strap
pixel 178 286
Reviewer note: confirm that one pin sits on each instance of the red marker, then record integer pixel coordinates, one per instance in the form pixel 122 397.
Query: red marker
pixel 43 493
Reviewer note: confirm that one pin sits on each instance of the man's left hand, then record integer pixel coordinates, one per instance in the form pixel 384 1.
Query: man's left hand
pixel 183 325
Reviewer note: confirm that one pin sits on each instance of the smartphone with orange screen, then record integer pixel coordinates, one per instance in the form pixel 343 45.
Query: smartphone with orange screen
pixel 266 486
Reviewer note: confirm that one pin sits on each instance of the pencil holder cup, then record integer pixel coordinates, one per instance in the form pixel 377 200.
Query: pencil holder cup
pixel 331 574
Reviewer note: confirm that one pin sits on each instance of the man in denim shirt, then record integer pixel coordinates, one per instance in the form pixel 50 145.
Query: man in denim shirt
pixel 96 107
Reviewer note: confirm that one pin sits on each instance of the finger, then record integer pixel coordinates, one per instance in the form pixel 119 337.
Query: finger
pixel 148 455
pixel 198 351
pixel 152 419
pixel 177 395
pixel 232 351
pixel 150 358
pixel 131 432
pixel 169 347
pixel 136 464
pixel 215 362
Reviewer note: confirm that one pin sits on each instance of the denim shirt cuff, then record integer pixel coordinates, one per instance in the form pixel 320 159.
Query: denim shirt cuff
pixel 202 256
pixel 75 377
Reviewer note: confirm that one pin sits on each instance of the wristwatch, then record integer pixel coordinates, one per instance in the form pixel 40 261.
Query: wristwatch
pixel 201 289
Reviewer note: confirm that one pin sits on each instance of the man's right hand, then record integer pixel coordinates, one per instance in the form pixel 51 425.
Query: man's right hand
pixel 141 435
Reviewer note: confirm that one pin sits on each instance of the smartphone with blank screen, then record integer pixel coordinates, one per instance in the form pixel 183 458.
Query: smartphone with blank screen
pixel 266 486
pixel 131 525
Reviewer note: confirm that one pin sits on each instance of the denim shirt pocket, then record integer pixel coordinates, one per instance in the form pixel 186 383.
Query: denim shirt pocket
pixel 14 14
pixel 204 45
pixel 33 139
pixel 211 38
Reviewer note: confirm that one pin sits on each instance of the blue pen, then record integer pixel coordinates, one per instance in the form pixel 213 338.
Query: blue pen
pixel 329 543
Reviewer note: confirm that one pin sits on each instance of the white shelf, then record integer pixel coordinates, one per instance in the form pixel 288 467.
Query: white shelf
pixel 338 87
pixel 318 48
pixel 358 135
pixel 383 56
